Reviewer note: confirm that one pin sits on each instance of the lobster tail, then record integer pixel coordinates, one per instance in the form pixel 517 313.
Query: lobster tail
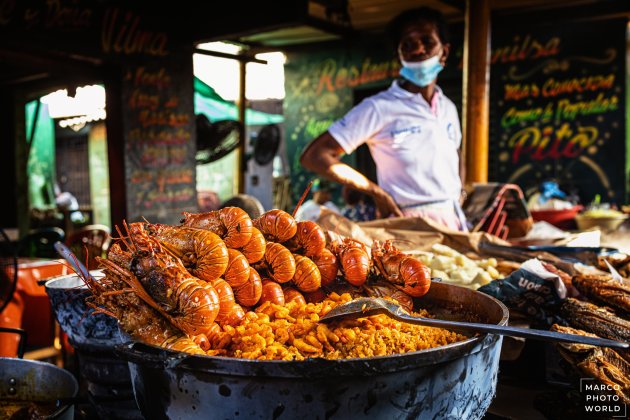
pixel 276 225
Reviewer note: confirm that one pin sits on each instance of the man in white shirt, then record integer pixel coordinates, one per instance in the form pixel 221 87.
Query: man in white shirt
pixel 412 130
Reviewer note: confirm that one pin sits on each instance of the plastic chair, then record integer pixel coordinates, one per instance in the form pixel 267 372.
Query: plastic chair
pixel 498 209
pixel 39 243
pixel 94 239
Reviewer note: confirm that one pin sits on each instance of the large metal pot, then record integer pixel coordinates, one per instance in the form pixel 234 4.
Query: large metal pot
pixel 67 296
pixel 93 337
pixel 454 381
pixel 25 382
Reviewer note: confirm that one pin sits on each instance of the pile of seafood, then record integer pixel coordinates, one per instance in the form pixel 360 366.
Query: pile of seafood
pixel 208 285
pixel 605 313
pixel 619 260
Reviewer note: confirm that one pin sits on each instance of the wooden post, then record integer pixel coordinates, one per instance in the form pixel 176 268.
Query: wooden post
pixel 476 90
pixel 116 152
pixel 242 106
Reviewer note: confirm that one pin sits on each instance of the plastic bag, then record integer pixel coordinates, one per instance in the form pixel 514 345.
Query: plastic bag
pixel 531 290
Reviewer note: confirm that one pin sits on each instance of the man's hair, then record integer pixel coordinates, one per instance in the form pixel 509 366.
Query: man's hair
pixel 396 25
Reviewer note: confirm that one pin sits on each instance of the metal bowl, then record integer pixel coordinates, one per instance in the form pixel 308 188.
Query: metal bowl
pixel 38 382
pixel 609 223
pixel 453 381
pixel 84 329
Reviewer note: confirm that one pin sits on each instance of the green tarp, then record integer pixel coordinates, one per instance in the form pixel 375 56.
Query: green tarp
pixel 213 106
pixel 41 159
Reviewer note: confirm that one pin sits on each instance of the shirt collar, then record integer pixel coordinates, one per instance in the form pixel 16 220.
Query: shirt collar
pixel 401 93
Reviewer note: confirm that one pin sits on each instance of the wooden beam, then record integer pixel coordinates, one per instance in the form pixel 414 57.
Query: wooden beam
pixel 242 106
pixel 562 12
pixel 239 57
pixel 42 353
pixel 25 78
pixel 116 150
pixel 476 90
pixel 330 27
pixel 35 71
pixel 457 4
pixel 49 59
pixel 238 19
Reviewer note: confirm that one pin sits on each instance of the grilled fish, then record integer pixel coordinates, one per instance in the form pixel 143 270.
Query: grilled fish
pixel 596 320
pixel 621 262
pixel 605 290
pixel 601 363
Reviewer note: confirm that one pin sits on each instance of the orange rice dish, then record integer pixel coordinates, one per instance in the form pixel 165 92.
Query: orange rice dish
pixel 292 332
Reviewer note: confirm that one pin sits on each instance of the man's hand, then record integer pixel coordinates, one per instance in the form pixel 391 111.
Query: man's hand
pixel 386 206
pixel 463 195
pixel 323 156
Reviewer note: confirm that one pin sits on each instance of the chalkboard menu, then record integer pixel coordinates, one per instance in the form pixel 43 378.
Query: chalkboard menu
pixel 86 26
pixel 159 138
pixel 558 107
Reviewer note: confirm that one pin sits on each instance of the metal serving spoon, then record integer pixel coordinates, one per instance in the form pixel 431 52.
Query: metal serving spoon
pixel 363 307
pixel 67 254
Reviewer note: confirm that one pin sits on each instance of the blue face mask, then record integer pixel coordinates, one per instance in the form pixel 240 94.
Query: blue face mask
pixel 421 73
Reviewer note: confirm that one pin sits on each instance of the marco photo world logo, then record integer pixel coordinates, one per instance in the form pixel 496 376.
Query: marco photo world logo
pixel 602 399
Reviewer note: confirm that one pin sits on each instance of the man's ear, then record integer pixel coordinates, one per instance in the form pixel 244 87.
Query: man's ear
pixel 445 50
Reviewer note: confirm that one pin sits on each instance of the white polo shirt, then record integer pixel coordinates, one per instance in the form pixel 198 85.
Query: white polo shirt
pixel 414 150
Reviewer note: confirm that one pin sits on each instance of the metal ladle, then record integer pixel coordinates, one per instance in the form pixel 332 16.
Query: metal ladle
pixel 363 307
pixel 67 254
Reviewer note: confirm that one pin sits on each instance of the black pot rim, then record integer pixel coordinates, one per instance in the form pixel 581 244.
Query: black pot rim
pixel 144 355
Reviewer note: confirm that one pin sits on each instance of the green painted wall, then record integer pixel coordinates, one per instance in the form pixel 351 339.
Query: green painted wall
pixel 320 87
pixel 99 174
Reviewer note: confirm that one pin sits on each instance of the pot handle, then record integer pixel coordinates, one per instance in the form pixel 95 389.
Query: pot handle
pixel 144 355
pixel 42 282
pixel 21 343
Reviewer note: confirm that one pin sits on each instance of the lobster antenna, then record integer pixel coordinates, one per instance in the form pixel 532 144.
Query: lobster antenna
pixel 129 237
pixel 122 237
pixel 87 256
pixel 308 188
pixel 129 242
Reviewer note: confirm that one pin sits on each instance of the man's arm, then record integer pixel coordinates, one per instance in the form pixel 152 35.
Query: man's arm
pixel 323 156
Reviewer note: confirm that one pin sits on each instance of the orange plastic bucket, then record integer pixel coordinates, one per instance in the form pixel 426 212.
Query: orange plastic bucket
pixel 11 317
pixel 37 317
